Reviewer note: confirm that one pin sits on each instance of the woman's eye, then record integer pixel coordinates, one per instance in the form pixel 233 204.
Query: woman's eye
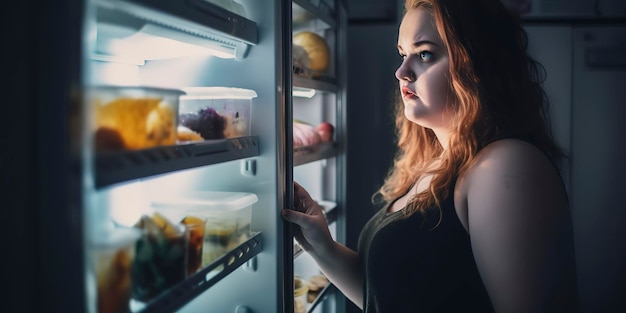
pixel 425 56
pixel 402 57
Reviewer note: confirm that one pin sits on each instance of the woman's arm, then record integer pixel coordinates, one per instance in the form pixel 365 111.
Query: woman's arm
pixel 517 209
pixel 336 261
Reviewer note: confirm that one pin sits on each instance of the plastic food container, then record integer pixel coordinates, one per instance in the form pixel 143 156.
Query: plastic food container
pixel 227 217
pixel 161 257
pixel 113 252
pixel 131 118
pixel 214 113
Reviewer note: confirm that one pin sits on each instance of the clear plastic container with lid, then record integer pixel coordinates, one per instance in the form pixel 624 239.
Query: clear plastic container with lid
pixel 131 118
pixel 112 253
pixel 227 217
pixel 214 113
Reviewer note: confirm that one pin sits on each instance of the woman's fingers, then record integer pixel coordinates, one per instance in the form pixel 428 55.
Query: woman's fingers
pixel 295 217
pixel 303 201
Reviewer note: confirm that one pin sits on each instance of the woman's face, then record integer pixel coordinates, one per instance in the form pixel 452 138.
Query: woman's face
pixel 422 75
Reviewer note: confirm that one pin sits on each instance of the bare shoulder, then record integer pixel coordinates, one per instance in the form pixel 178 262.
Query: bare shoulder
pixel 512 160
pixel 509 177
pixel 512 192
pixel 512 153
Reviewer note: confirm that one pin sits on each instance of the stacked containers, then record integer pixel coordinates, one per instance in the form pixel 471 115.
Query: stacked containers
pixel 226 217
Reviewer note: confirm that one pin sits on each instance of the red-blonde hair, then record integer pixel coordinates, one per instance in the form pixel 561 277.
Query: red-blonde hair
pixel 497 93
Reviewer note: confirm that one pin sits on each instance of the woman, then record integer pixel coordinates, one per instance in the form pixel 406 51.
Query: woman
pixel 475 216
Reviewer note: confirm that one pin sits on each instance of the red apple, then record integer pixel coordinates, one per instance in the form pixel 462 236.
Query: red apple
pixel 326 131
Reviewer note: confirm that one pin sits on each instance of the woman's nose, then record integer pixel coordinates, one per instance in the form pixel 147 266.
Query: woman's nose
pixel 405 73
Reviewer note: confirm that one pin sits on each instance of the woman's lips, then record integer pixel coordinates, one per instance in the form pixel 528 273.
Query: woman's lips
pixel 408 93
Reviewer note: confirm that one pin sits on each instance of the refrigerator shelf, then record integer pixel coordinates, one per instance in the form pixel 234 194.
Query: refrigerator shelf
pixel 326 84
pixel 320 297
pixel 179 295
pixel 312 153
pixel 118 167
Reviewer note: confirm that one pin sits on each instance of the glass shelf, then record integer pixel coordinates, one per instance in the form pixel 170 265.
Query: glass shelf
pixel 118 167
pixel 326 84
pixel 312 153
pixel 320 297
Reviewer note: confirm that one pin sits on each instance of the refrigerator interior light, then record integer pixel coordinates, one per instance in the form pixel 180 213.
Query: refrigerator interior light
pixel 134 32
pixel 154 42
pixel 303 92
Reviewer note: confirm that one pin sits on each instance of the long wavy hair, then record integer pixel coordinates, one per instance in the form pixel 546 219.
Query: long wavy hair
pixel 497 92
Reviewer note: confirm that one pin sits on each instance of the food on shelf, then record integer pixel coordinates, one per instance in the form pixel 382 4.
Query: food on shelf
pixel 316 48
pixel 113 254
pixel 220 237
pixel 108 139
pixel 326 130
pixel 316 284
pixel 135 123
pixel 195 226
pixel 186 134
pixel 206 122
pixel 114 282
pixel 215 113
pixel 300 289
pixel 226 217
pixel 131 118
pixel 304 134
pixel 161 257
pixel 301 63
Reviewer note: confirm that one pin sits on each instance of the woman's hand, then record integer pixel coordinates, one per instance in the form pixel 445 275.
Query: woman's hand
pixel 339 263
pixel 312 232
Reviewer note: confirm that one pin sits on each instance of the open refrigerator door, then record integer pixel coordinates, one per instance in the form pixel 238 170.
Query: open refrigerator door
pixel 319 141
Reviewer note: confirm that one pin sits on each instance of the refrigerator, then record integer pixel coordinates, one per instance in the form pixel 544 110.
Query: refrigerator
pixel 65 186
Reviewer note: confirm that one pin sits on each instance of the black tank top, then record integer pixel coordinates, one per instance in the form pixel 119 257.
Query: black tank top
pixel 423 263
